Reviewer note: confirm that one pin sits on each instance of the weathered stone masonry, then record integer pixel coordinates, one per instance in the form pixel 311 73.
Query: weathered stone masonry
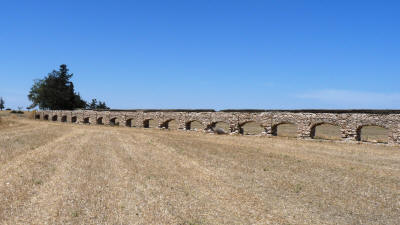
pixel 349 121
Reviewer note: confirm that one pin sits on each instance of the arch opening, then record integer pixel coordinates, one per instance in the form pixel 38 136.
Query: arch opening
pixel 373 133
pixel 114 122
pixel 129 123
pixel 220 127
pixel 251 128
pixel 149 123
pixel 326 131
pixel 54 118
pixel 170 124
pixel 86 120
pixel 99 121
pixel 37 117
pixel 64 119
pixel 73 119
pixel 284 130
pixel 194 125
pixel 46 117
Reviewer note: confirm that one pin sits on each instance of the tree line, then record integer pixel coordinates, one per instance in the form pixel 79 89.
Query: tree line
pixel 56 92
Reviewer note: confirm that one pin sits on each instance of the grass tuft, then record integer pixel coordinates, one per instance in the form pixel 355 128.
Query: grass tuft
pixel 37 182
pixel 298 188
pixel 75 214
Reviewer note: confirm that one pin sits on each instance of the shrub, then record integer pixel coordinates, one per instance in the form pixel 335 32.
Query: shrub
pixel 17 112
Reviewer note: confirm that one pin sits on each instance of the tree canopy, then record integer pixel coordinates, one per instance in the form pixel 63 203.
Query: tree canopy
pixel 97 105
pixel 56 92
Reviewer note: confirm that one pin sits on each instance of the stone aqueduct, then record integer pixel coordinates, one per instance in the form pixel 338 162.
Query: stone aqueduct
pixel 350 122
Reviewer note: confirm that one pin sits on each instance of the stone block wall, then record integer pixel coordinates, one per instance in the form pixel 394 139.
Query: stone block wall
pixel 350 122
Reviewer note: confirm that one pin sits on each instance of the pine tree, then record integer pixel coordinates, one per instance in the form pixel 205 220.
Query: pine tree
pixel 56 92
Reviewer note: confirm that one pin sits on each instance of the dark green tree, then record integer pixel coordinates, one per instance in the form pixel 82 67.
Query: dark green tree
pixel 1 104
pixel 56 92
pixel 102 105
pixel 94 105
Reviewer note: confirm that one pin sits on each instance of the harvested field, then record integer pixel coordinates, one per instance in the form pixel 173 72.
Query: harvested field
pixel 57 173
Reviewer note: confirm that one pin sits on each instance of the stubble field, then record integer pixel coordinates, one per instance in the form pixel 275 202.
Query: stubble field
pixel 53 173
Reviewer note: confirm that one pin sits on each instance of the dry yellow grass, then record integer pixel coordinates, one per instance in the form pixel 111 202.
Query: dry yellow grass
pixel 53 173
pixel 4 113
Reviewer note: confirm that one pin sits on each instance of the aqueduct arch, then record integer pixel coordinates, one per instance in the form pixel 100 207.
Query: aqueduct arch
pixel 170 124
pixel 251 128
pixel 327 131
pixel 285 129
pixel 86 120
pixel 373 133
pixel 223 126
pixel 194 125
pixel 99 121
pixel 114 121
pixel 149 123
pixel 129 122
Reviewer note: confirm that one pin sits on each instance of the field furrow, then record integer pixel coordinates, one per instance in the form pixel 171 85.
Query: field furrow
pixel 73 174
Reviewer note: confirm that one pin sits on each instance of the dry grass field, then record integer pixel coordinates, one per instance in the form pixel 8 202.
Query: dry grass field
pixel 53 173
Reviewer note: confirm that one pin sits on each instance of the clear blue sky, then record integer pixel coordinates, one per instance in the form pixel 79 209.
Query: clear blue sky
pixel 207 54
